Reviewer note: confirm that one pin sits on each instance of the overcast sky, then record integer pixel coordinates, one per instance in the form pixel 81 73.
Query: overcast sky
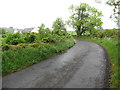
pixel 31 13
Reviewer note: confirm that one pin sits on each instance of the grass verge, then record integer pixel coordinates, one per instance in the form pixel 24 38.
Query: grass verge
pixel 111 45
pixel 17 59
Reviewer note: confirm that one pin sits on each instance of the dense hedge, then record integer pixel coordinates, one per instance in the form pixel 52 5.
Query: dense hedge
pixel 23 49
pixel 44 35
pixel 17 40
pixel 111 33
pixel 107 33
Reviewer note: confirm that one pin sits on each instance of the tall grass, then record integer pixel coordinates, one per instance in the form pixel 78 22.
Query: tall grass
pixel 111 45
pixel 0 56
pixel 17 59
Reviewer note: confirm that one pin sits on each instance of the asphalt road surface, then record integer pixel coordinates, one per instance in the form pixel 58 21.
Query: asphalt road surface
pixel 82 66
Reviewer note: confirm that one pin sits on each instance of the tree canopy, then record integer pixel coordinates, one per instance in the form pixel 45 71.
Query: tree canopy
pixel 84 18
pixel 58 24
pixel 2 31
pixel 116 10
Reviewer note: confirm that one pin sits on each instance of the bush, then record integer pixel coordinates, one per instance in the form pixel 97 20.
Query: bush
pixel 22 50
pixel 13 38
pixel 111 33
pixel 29 38
pixel 104 33
pixel 16 41
pixel 60 32
pixel 18 58
pixel 5 47
pixel 45 35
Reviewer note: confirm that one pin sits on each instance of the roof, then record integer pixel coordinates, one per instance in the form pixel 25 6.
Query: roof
pixel 35 30
pixel 28 29
pixel 20 29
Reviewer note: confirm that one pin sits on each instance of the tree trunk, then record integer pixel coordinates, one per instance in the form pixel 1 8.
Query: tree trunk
pixel 78 30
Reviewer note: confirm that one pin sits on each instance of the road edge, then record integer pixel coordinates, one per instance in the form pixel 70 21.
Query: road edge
pixel 107 71
pixel 107 67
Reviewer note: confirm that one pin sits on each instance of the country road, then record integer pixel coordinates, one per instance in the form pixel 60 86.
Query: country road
pixel 82 66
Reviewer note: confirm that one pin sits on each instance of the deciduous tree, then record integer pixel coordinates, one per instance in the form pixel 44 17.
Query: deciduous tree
pixel 116 10
pixel 58 24
pixel 84 17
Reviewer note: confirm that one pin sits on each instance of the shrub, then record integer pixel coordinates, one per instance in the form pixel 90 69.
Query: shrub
pixel 16 59
pixel 104 33
pixel 45 35
pixel 34 44
pixel 16 41
pixel 13 38
pixel 60 32
pixel 29 38
pixel 5 47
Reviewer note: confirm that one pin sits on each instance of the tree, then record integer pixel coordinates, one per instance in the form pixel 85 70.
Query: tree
pixel 84 18
pixel 58 24
pixel 2 31
pixel 41 27
pixel 116 10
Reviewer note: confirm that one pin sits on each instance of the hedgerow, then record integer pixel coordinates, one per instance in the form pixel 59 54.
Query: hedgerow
pixel 21 50
pixel 44 35
pixel 18 58
pixel 108 33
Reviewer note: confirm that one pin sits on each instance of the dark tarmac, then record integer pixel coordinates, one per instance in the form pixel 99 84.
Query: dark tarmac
pixel 82 66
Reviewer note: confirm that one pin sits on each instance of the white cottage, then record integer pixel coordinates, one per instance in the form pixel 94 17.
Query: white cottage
pixel 18 30
pixel 35 30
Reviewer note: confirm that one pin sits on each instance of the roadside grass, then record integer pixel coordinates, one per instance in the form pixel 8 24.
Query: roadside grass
pixel 0 57
pixel 111 45
pixel 16 59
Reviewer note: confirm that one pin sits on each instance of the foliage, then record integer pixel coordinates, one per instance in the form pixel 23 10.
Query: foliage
pixel 2 31
pixel 72 32
pixel 84 18
pixel 60 32
pixel 10 29
pixel 58 24
pixel 19 58
pixel 41 27
pixel 54 36
pixel 23 49
pixel 110 33
pixel 116 11
pixel 44 35
pixel 13 39
pixel 29 38
pixel 107 33
pixel 5 47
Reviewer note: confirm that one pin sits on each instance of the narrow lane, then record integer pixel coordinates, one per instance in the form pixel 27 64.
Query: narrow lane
pixel 82 66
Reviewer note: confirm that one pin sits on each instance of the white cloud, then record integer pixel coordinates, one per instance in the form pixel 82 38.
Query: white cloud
pixel 31 13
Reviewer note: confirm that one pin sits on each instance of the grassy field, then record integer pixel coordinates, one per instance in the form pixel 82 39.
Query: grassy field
pixel 72 32
pixel 19 58
pixel 111 46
